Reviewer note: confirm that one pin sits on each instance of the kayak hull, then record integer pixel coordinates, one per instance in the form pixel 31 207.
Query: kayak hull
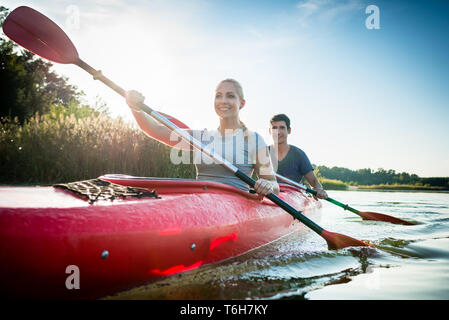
pixel 57 245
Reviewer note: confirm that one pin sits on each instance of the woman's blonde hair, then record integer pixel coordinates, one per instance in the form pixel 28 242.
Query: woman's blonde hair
pixel 239 89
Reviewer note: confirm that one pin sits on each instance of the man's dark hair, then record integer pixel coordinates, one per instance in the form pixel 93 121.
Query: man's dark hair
pixel 281 117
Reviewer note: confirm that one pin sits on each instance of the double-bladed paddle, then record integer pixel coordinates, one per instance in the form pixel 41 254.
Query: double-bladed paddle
pixel 38 34
pixel 366 215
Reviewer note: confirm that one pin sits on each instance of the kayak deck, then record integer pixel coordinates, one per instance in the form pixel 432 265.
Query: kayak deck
pixel 127 242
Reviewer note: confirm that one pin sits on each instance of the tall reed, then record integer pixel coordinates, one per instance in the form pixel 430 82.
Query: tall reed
pixel 58 148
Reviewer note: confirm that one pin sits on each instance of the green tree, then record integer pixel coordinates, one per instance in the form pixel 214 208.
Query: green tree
pixel 27 83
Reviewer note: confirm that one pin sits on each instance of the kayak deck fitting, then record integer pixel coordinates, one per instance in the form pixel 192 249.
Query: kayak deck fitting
pixel 120 242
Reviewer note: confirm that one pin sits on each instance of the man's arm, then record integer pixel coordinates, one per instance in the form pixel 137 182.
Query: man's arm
pixel 316 185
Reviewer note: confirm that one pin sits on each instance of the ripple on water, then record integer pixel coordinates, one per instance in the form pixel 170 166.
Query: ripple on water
pixel 425 276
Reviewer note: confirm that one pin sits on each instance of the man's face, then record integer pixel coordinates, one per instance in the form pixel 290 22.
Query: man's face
pixel 279 132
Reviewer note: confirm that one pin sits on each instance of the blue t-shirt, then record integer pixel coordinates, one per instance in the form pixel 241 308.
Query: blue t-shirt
pixel 294 166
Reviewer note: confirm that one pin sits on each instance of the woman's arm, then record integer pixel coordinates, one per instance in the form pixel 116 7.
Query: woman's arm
pixel 264 169
pixel 150 126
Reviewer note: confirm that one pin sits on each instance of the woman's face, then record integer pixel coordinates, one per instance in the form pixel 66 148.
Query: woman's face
pixel 227 101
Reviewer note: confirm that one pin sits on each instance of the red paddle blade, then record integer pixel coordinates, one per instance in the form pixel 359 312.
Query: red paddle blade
pixel 175 121
pixel 339 241
pixel 383 217
pixel 38 34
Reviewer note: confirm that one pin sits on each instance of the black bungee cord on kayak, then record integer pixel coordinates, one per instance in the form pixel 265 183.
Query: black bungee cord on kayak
pixel 97 189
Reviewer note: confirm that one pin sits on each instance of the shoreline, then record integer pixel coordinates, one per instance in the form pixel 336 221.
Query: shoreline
pixel 355 188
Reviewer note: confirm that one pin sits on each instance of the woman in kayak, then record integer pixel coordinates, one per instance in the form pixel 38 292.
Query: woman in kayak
pixel 245 149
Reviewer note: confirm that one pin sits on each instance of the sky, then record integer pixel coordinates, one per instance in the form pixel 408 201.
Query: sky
pixel 363 88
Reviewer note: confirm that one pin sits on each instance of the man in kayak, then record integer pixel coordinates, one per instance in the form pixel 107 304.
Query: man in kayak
pixel 232 140
pixel 290 161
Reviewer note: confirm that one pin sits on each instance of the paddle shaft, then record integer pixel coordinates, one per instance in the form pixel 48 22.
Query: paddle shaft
pixel 99 76
pixel 296 184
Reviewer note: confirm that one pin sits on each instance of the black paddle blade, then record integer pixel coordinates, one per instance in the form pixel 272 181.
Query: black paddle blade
pixel 38 34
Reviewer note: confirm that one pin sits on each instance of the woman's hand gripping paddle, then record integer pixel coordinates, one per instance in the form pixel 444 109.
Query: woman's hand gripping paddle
pixel 38 34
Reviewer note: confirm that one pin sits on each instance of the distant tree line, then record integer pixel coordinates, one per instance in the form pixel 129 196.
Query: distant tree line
pixel 381 176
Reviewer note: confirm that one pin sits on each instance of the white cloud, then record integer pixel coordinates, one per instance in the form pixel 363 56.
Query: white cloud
pixel 314 12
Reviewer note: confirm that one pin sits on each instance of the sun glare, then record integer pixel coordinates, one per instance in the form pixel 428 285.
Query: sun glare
pixel 144 55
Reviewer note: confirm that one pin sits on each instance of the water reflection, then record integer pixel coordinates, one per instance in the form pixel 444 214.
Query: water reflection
pixel 410 262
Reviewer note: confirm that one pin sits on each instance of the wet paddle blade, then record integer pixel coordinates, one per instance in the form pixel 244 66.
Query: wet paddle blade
pixel 339 241
pixel 371 215
pixel 383 217
pixel 38 34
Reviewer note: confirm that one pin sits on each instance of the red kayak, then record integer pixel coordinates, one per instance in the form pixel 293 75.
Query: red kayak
pixel 58 243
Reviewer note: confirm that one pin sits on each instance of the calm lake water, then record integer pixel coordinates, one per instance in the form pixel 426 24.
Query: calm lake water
pixel 413 262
